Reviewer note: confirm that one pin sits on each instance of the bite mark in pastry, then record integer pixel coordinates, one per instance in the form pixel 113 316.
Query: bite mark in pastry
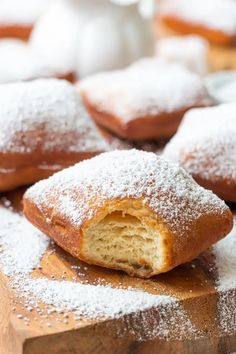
pixel 44 128
pixel 145 101
pixel 214 20
pixel 205 145
pixel 128 210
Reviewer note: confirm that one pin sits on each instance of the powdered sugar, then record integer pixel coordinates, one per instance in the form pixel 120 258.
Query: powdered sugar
pixel 225 258
pixel 27 66
pixel 90 300
pixel 190 51
pixel 227 93
pixel 164 187
pixel 55 36
pixel 205 143
pixel 49 105
pixel 216 14
pixel 148 87
pixel 21 244
pixel 25 12
pixel 22 247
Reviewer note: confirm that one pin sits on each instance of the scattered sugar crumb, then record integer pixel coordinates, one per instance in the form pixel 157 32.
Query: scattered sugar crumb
pixel 21 244
pixel 225 261
pixel 89 300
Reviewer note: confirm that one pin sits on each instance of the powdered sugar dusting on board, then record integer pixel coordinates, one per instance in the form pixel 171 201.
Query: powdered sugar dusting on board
pixel 225 259
pixel 216 14
pixel 164 187
pixel 147 88
pixel 90 300
pixel 205 143
pixel 21 244
pixel 22 247
pixel 53 109
pixel 151 316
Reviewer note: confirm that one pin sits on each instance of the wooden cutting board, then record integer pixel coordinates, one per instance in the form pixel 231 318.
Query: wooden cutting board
pixel 192 284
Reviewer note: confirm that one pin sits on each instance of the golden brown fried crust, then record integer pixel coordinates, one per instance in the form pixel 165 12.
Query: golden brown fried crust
pixel 185 27
pixel 71 77
pixel 224 188
pixel 163 125
pixel 176 248
pixel 15 31
pixel 22 169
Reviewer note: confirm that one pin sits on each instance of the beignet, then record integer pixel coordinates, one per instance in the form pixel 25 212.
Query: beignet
pixel 190 51
pixel 129 210
pixel 205 145
pixel 17 17
pixel 19 63
pixel 214 20
pixel 44 128
pixel 145 101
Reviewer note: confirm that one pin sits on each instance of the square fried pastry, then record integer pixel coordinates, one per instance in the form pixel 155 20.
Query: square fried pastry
pixel 129 210
pixel 44 128
pixel 145 101
pixel 205 145
pixel 214 20
pixel 17 17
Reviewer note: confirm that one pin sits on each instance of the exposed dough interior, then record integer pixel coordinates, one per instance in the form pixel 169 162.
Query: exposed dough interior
pixel 124 240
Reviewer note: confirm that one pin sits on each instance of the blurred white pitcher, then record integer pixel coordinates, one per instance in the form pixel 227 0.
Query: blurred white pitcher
pixel 88 36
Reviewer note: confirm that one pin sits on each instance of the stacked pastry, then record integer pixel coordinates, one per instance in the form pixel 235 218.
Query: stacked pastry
pixel 205 145
pixel 132 210
pixel 18 60
pixel 45 128
pixel 214 20
pixel 145 101
pixel 27 66
pixel 128 210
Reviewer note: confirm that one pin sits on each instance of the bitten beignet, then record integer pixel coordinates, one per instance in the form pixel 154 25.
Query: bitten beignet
pixel 44 128
pixel 214 20
pixel 128 210
pixel 205 145
pixel 145 101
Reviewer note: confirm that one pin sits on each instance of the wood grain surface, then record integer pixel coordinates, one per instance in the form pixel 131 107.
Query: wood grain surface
pixel 192 284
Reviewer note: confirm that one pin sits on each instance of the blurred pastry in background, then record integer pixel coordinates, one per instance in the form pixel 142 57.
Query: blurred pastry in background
pixel 144 101
pixel 17 17
pixel 222 86
pixel 18 63
pixel 189 50
pixel 205 145
pixel 214 20
pixel 45 128
pixel 88 36
pixel 117 143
